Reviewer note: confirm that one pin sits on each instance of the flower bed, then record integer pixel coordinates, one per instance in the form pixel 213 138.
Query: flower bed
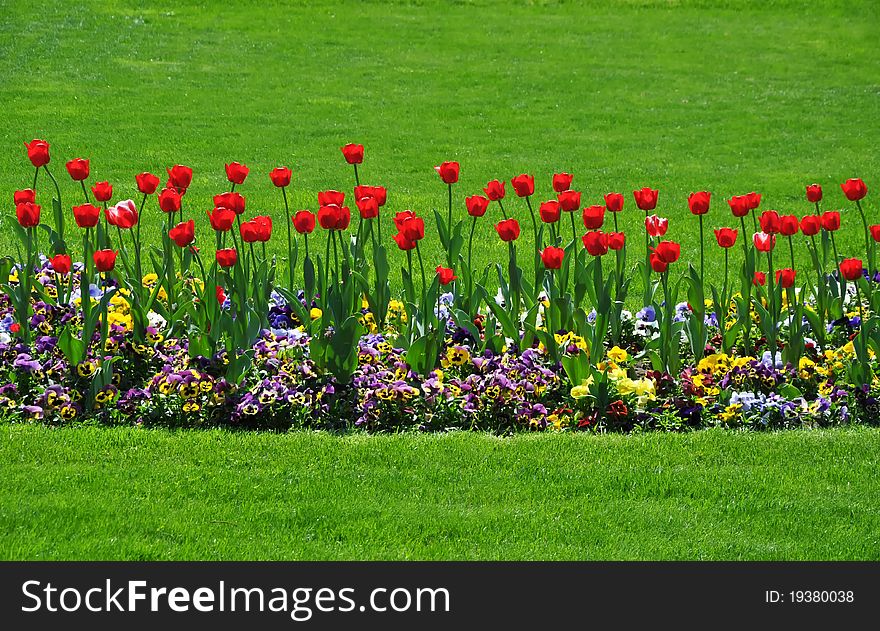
pixel 119 331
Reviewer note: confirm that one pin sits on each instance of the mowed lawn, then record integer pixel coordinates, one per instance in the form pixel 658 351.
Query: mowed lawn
pixel 93 493
pixel 681 96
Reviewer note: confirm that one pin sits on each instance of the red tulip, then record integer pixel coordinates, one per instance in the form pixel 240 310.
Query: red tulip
pixel 726 237
pixel 236 172
pixel 304 221
pixel 227 257
pixel 86 215
pixel 28 214
pixel 403 243
pixel 446 275
pixel 334 217
pixel 569 201
pixel 785 277
pixel 508 230
pixel 409 225
pixel 646 198
pixel 811 224
pixel 280 176
pixel 233 201
pixel 25 196
pixel 550 211
pixel 851 269
pixel 831 221
pixel 169 200
pixel 562 181
pixel 61 263
pixel 614 202
pixel 221 219
pixel 448 172
pixel 331 198
pixel 495 190
pixel 264 227
pixel 814 193
pixel 38 152
pixel 183 233
pixel 764 242
pixel 596 242
pixel 105 260
pixel 616 240
pixel 656 226
pixel 875 232
pixel 476 205
pixel 78 169
pixel 523 185
pixel 668 251
pixel 854 189
pixel 552 257
pixel 769 221
pixel 593 217
pixel 788 225
pixel 146 182
pixel 699 202
pixel 102 191
pixel 221 295
pixel 754 200
pixel 377 192
pixel 354 154
pixel 657 263
pixel 759 279
pixel 123 215
pixel 739 205
pixel 368 207
pixel 180 177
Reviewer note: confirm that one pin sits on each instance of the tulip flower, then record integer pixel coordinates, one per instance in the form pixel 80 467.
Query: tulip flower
pixel 448 172
pixel 280 176
pixel 656 226
pixel 814 193
pixel 26 196
pixel 854 189
pixel 698 203
pixel 236 173
pixel 226 257
pixel 123 215
pixel 169 200
pixel 494 190
pixel 668 251
pixel 875 232
pixel 658 264
pixel 550 211
pixel 368 207
pixel 726 237
pixel 61 264
pixel 147 183
pixel 593 217
pixel 105 260
pixel 764 242
pixel 446 275
pixel 785 277
pixel 38 152
pixel 788 226
pixel 78 168
pixel 411 226
pixel 759 279
pixel 403 243
pixel 183 233
pixel 851 269
pixel 616 240
pixel 562 181
pixel 614 202
pixel 377 192
pixel 102 191
pixel 220 294
pixel 334 217
pixel 508 230
pixel 353 154
pixel 754 200
pixel 264 227
pixel 769 221
pixel 646 198
pixel 739 205
pixel 596 243
pixel 831 221
pixel 304 221
pixel 523 185
pixel 86 215
pixel 476 205
pixel 221 219
pixel 331 198
pixel 28 214
pixel 233 201
pixel 180 177
pixel 810 225
pixel 569 201
pixel 552 257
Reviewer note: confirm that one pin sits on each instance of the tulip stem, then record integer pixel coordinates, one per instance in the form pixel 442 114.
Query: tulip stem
pixel 449 229
pixel 503 212
pixel 85 192
pixel 59 217
pixel 537 261
pixel 771 281
pixel 791 250
pixel 36 173
pixel 288 221
pixel 702 255
pixel 837 266
pixel 470 266
pixel 869 246
pixel 357 181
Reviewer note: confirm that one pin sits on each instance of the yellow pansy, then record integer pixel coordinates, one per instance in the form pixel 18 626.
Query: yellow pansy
pixel 617 354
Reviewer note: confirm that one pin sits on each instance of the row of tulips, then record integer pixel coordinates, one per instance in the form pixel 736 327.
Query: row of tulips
pixel 221 305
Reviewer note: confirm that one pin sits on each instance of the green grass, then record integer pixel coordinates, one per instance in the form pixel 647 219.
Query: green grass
pixel 93 493
pixel 682 96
